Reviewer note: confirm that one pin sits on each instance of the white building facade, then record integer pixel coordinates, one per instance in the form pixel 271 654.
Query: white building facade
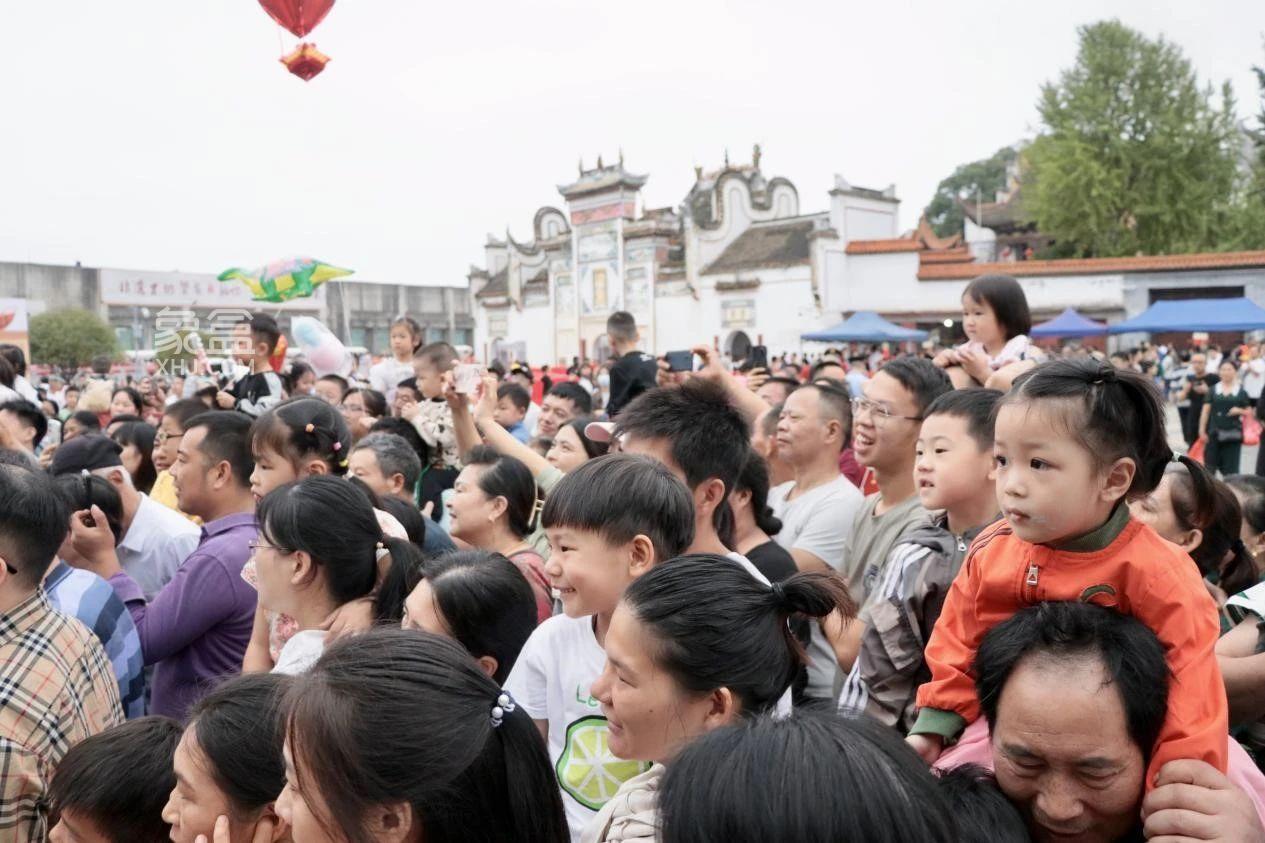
pixel 738 262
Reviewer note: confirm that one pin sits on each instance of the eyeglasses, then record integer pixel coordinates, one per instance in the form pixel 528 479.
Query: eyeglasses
pixel 162 436
pixel 877 411
pixel 256 544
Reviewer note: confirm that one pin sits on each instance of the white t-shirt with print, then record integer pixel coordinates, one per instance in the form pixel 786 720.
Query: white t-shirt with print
pixel 551 681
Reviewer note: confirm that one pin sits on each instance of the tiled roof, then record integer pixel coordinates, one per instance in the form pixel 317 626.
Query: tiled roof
pixel 1094 266
pixel 498 285
pixel 778 244
pixel 540 278
pixel 883 247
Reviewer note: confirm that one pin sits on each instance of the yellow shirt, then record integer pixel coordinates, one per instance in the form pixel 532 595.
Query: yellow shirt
pixel 164 492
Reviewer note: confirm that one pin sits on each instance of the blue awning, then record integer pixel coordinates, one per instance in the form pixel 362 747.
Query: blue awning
pixel 865 326
pixel 1069 323
pixel 1239 314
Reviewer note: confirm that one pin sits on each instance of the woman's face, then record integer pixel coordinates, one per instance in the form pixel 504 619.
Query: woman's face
pixel 649 715
pixel 70 430
pixel 421 612
pixel 121 405
pixel 980 323
pixel 1071 769
pixel 472 511
pixel 196 801
pixel 1156 510
pixel 1227 372
pixel 302 809
pixel 274 569
pixel 567 453
pixel 132 458
pixel 271 470
pixel 353 408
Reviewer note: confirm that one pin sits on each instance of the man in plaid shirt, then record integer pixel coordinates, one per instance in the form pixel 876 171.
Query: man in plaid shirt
pixel 56 684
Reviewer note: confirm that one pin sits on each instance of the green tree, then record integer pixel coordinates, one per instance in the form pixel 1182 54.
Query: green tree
pixel 1247 227
pixel 1135 156
pixel 71 338
pixel 986 176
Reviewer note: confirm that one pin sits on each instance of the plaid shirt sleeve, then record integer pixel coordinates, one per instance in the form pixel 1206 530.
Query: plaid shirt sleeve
pixel 56 688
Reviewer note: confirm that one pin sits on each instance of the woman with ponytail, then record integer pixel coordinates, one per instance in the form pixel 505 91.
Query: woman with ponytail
pixel 1201 515
pixel 319 548
pixel 397 735
pixel 495 506
pixel 695 644
pixel 754 522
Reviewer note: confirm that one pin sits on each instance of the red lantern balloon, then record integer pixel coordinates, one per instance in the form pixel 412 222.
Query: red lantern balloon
pixel 298 16
pixel 305 62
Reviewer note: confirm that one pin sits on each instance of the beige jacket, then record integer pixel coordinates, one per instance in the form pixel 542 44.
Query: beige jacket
pixel 630 816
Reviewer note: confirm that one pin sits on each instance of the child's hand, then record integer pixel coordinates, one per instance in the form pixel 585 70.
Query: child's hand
pixel 928 747
pixel 409 410
pixel 225 400
pixel 975 363
pixel 947 358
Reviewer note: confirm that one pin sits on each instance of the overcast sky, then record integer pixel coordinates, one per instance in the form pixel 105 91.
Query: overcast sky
pixel 164 134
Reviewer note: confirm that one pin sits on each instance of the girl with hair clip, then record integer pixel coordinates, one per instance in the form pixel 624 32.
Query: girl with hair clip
pixel 299 438
pixel 1074 440
pixel 695 644
pixel 229 767
pixel 495 506
pixel 319 548
pixel 405 338
pixel 1201 515
pixel 398 735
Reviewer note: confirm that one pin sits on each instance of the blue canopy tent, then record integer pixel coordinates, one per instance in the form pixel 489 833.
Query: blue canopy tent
pixel 1069 323
pixel 1195 315
pixel 865 326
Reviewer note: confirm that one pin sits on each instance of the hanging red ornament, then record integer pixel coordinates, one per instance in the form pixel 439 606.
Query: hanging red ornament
pixel 298 16
pixel 305 61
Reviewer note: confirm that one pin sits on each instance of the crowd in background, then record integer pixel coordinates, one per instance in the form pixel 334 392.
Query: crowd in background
pixel 788 597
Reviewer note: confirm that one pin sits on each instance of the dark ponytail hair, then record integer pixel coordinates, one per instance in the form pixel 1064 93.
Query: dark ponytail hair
pixel 334 522
pixel 716 626
pixel 1111 413
pixel 812 777
pixel 485 603
pixel 239 731
pixel 755 479
pixel 140 435
pixel 301 428
pixel 1201 502
pixel 404 716
pixel 506 477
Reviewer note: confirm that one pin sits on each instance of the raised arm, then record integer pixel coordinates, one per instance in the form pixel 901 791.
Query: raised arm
pixel 751 406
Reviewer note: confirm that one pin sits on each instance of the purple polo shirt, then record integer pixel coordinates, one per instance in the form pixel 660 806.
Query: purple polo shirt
pixel 197 627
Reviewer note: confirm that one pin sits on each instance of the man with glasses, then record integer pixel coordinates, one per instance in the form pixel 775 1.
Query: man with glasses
pixel 885 425
pixel 818 507
pixel 196 628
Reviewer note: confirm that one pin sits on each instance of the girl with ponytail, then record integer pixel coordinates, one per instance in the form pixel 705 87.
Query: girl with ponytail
pixel 1074 441
pixel 696 643
pixel 319 548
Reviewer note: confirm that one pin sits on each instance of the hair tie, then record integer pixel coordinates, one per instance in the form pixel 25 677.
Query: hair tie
pixel 503 706
pixel 380 551
pixel 310 428
pixel 337 446
pixel 779 593
pixel 536 509
pixel 1106 374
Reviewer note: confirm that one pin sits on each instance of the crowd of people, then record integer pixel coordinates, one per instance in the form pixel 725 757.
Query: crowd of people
pixel 959 594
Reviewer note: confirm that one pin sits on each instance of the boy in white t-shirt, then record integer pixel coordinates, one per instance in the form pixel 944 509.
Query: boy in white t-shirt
pixel 608 522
